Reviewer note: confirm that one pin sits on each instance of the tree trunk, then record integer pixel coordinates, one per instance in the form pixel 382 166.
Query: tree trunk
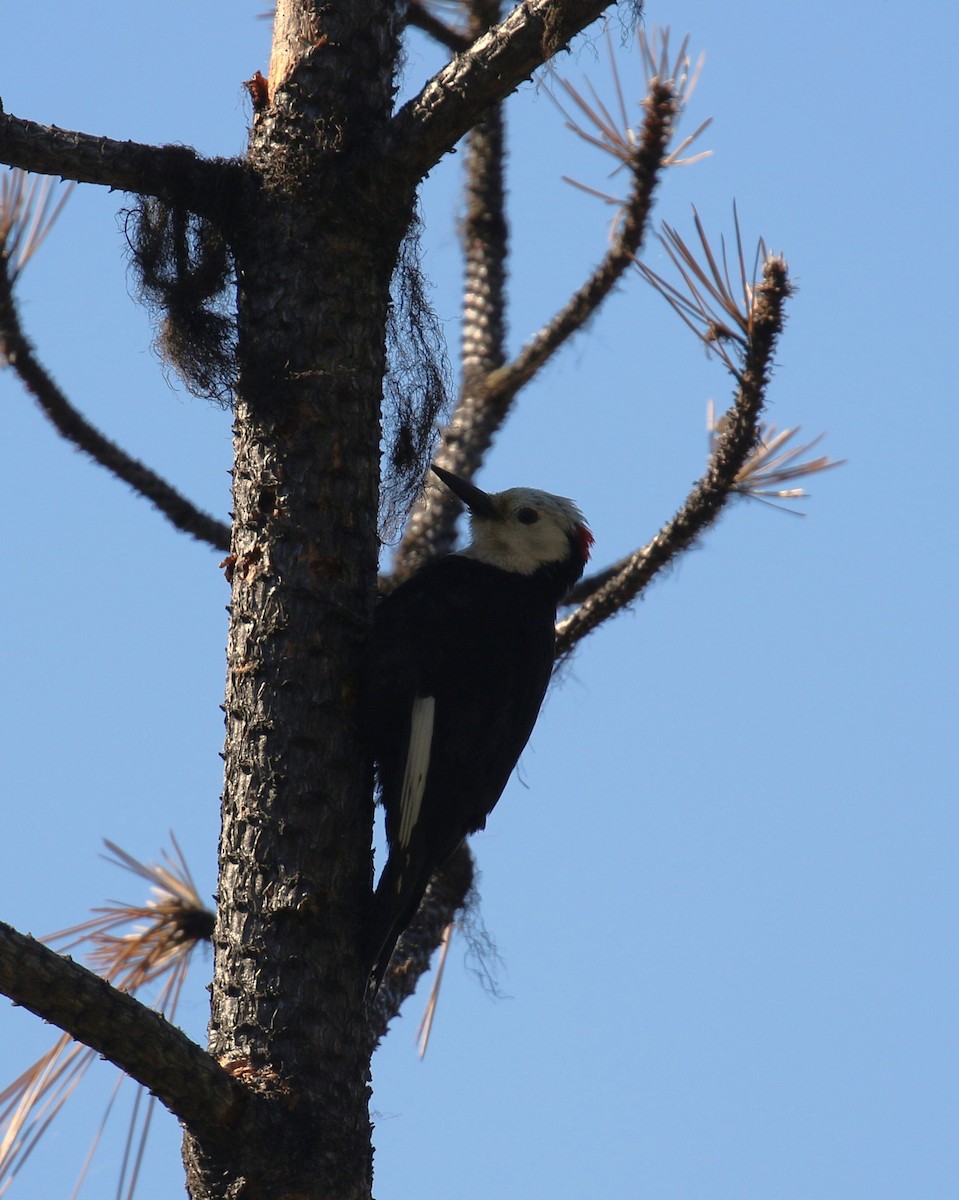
pixel 314 247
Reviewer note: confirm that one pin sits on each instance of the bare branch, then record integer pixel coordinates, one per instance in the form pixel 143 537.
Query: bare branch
pixel 645 161
pixel 430 125
pixel 767 467
pixel 140 1042
pixel 17 351
pixel 589 585
pixel 484 239
pixel 176 174
pixel 484 406
pixel 711 493
pixel 419 15
pixel 484 233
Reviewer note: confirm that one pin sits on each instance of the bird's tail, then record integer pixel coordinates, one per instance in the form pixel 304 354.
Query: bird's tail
pixel 397 897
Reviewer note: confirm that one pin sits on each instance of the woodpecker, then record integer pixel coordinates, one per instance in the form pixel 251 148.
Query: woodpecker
pixel 460 660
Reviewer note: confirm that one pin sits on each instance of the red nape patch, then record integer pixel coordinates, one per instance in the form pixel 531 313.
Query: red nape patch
pixel 584 539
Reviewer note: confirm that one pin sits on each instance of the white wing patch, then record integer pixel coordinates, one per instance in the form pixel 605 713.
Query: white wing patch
pixel 417 765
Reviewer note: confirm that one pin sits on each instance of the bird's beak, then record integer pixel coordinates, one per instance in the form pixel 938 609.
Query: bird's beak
pixel 479 503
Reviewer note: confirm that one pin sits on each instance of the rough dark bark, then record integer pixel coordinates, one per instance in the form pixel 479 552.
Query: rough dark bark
pixel 314 259
pixel 120 1028
pixel 485 232
pixel 175 174
pixel 431 124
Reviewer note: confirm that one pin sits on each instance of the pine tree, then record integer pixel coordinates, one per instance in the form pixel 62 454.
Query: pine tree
pixel 287 283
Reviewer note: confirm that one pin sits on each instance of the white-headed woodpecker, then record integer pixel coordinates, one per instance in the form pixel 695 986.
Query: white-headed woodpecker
pixel 460 661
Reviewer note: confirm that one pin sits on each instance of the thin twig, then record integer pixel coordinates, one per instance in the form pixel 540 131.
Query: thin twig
pixel 429 1013
pixel 18 352
pixel 419 15
pixel 645 163
pixel 712 492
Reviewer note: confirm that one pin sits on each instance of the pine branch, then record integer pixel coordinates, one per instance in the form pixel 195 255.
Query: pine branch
pixel 486 402
pixel 28 211
pixel 129 946
pixel 133 1037
pixel 707 499
pixel 768 466
pixel 16 350
pixel 589 585
pixel 484 238
pixel 176 174
pixel 645 165
pixel 484 233
pixel 430 125
pixel 419 16
pixel 773 463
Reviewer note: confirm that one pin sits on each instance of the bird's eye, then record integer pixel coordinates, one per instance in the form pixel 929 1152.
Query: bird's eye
pixel 527 516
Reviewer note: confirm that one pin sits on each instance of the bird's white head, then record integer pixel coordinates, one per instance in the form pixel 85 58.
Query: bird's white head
pixel 523 530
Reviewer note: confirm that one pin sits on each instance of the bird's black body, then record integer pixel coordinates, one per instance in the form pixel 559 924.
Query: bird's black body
pixel 461 657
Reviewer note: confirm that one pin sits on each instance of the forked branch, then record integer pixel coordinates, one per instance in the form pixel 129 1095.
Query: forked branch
pixel 430 125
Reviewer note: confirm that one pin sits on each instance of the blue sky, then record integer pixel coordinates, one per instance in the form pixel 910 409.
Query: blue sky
pixel 723 883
